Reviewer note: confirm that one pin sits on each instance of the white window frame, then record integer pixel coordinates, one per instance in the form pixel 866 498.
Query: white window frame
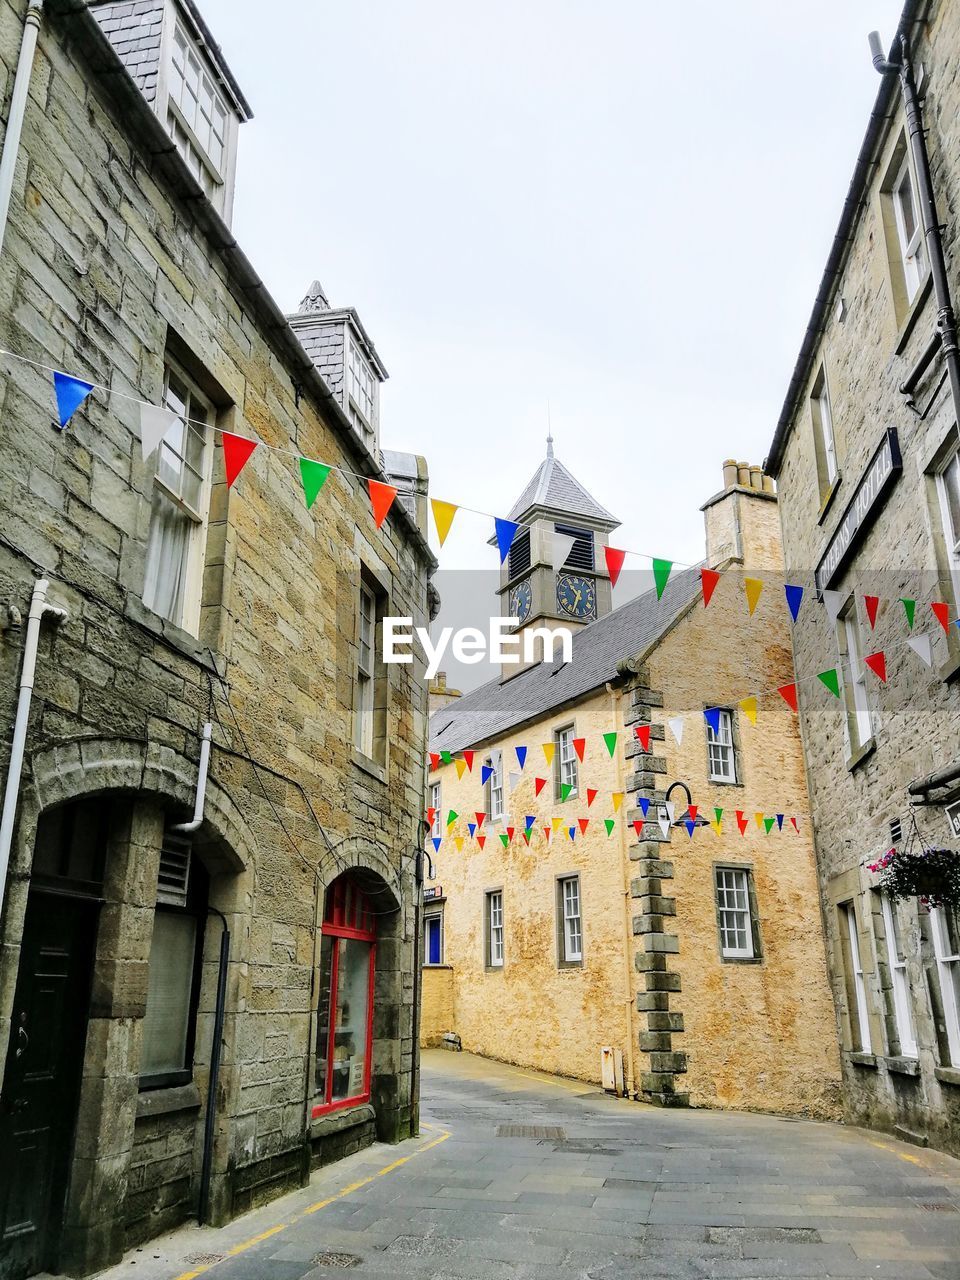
pixel 495 929
pixel 172 456
pixel 857 703
pixel 188 98
pixel 362 385
pixel 732 890
pixel 948 973
pixel 721 750
pixel 900 983
pixel 571 938
pixel 495 789
pixel 949 476
pixel 859 982
pixel 567 763
pixel 823 422
pixel 913 256
pixel 428 916
pixel 436 802
pixel 366 670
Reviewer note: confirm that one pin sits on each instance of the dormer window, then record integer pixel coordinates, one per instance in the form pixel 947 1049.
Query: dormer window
pixel 362 388
pixel 198 118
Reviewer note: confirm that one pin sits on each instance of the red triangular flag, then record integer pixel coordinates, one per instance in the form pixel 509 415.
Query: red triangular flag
pixel 942 614
pixel 709 579
pixel 381 499
pixel 431 814
pixel 584 823
pixel 481 841
pixel 692 810
pixel 614 563
pixel 468 756
pixel 236 454
pixel 538 785
pixel 579 746
pixel 788 692
pixel 547 831
pixel 643 733
pixel 796 825
pixel 479 817
pixel 638 827
pixel 591 796
pixel 742 822
pixel 872 604
pixel 434 760
pixel 877 664
pixel 510 832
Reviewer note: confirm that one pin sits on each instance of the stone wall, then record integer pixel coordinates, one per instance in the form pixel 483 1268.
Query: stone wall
pixel 866 349
pixel 437 1010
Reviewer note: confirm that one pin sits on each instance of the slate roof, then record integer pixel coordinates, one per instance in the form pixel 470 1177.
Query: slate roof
pixel 488 712
pixel 553 487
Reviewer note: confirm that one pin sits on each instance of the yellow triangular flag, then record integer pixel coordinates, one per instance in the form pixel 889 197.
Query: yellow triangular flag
pixel 716 826
pixel 753 587
pixel 617 801
pixel 461 767
pixel 556 823
pixel 548 750
pixel 443 513
pixel 749 708
pixel 458 841
pixel 759 818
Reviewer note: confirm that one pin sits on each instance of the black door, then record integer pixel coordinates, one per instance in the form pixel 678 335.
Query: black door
pixel 38 1106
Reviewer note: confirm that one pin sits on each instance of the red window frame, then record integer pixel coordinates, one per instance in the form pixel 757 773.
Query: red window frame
pixel 347 914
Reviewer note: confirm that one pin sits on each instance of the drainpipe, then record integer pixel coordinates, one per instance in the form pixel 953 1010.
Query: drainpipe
pixel 39 609
pixel 18 106
pixel 615 704
pixel 209 1119
pixel 946 319
pixel 186 828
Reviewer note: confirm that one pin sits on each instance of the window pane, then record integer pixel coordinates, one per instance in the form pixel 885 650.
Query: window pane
pixel 165 1026
pixel 350 1033
pixel 323 1012
pixel 168 549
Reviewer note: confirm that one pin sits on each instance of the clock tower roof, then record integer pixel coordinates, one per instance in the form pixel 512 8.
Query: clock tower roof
pixel 554 491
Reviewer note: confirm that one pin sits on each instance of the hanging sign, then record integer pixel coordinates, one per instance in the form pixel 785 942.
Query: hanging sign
pixel 883 470
pixel 953 817
pixel 435 892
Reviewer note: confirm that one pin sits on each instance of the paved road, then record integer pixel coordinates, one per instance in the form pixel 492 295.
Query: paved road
pixel 534 1178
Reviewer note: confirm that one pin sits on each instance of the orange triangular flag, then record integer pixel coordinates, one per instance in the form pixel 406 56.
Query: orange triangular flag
pixel 753 587
pixel 481 841
pixel 236 454
pixel 584 823
pixel 443 513
pixel 381 499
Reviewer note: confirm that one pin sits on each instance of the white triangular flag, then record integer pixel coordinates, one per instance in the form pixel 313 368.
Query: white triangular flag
pixel 833 603
pixel 920 644
pixel 671 809
pixel 562 546
pixel 155 422
pixel 515 780
pixel 676 728
pixel 664 823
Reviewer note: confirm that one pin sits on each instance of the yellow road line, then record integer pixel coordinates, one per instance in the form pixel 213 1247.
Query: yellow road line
pixel 556 1084
pixel 321 1204
pixel 902 1154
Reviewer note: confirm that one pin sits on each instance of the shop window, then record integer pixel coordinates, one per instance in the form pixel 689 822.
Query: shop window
pixel 345 1006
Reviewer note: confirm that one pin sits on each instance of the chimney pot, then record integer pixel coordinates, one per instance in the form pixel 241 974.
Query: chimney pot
pixel 756 481
pixel 743 474
pixel 441 679
pixel 729 473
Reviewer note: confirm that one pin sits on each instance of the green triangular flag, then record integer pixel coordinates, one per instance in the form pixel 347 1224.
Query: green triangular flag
pixel 768 823
pixel 446 757
pixel 526 836
pixel 611 740
pixel 565 789
pixel 832 680
pixel 909 608
pixel 609 823
pixel 314 475
pixel 504 839
pixel 452 816
pixel 717 814
pixel 661 572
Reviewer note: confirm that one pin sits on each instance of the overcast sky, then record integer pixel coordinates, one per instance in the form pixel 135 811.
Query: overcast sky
pixel 595 205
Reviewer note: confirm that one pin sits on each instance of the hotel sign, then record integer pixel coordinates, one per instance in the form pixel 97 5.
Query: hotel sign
pixel 883 470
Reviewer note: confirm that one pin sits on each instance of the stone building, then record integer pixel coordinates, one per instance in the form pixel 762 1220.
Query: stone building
pixel 695 959
pixel 153 1072
pixel 866 458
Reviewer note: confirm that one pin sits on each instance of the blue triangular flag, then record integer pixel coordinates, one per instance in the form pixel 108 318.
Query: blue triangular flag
pixel 690 824
pixel 573 833
pixel 521 755
pixel 779 821
pixel 472 828
pixel 644 805
pixel 530 819
pixel 794 596
pixel 712 717
pixel 437 842
pixel 485 772
pixel 70 393
pixel 506 532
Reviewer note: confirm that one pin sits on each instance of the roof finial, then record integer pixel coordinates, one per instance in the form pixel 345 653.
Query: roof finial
pixel 549 433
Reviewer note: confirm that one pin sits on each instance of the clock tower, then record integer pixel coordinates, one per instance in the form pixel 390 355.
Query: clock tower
pixel 556 513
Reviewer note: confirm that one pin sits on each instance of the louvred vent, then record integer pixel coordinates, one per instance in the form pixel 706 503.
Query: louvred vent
pixel 174 870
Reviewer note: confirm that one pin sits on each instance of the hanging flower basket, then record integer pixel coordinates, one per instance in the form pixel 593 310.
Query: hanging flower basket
pixel 932 875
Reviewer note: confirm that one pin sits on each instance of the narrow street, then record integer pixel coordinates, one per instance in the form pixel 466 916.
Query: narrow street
pixel 522 1175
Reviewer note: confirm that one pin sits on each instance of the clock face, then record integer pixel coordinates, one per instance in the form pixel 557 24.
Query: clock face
pixel 576 596
pixel 521 599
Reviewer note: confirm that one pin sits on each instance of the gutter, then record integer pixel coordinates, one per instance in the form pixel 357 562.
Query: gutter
pixel 884 110
pixel 138 118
